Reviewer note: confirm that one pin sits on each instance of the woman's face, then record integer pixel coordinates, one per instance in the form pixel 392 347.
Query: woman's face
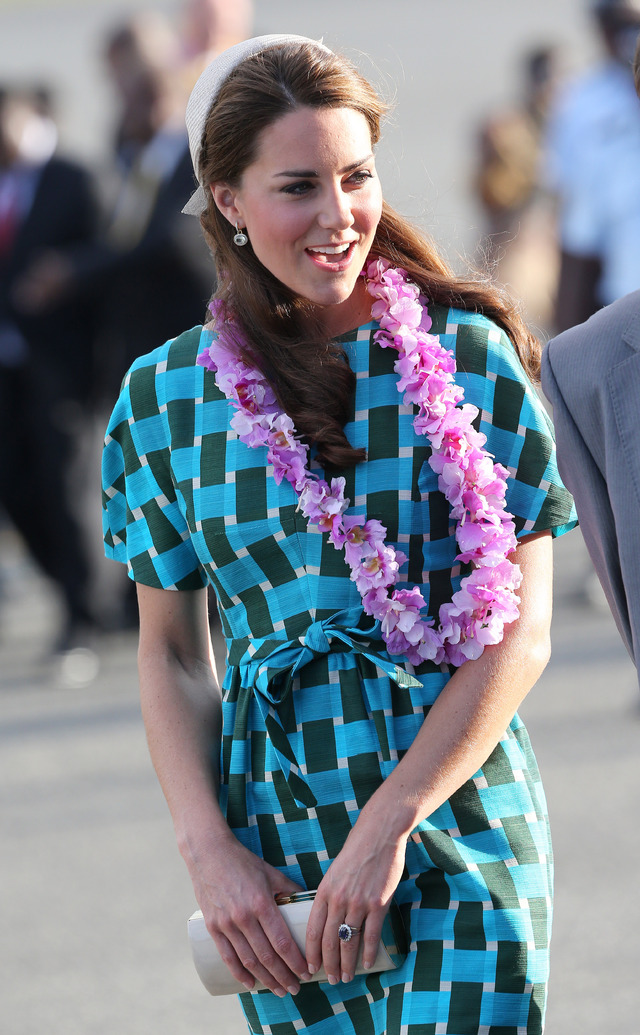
pixel 311 202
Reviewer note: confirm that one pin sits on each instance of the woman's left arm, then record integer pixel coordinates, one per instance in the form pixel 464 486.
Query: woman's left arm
pixel 461 730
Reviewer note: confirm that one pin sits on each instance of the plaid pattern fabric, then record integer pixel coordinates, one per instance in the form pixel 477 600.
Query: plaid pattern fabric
pixel 315 713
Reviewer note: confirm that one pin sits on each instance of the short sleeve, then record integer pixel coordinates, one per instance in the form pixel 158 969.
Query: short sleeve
pixel 144 520
pixel 518 429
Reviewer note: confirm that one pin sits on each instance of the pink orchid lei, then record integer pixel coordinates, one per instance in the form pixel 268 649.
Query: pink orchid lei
pixel 473 485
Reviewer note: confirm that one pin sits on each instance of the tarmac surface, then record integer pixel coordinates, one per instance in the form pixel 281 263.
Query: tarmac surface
pixel 95 896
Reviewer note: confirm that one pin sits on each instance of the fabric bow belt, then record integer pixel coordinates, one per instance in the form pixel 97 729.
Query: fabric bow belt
pixel 268 668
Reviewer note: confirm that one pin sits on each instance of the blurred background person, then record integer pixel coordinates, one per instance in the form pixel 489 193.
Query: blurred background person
pixel 593 166
pixel 139 55
pixel 148 273
pixel 150 270
pixel 155 269
pixel 519 244
pixel 591 375
pixel 208 27
pixel 46 202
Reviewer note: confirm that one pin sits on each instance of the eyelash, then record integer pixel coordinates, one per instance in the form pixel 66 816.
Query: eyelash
pixel 302 187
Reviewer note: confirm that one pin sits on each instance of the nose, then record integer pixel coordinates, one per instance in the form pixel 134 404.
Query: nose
pixel 335 211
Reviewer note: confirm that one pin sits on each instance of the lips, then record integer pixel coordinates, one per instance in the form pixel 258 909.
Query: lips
pixel 331 256
pixel 330 249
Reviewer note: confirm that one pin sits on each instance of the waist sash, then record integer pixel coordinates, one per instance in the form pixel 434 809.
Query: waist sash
pixel 269 666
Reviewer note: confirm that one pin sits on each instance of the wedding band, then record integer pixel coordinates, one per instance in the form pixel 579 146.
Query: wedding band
pixel 346 932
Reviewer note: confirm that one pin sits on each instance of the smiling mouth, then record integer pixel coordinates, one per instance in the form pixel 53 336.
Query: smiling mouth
pixel 331 254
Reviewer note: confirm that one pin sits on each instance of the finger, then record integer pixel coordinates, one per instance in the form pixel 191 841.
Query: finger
pixel 282 885
pixel 230 958
pixel 349 947
pixel 371 938
pixel 259 956
pixel 288 954
pixel 331 946
pixel 315 930
pixel 273 945
pixel 250 958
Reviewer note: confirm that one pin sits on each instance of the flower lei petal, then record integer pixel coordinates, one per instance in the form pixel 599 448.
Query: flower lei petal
pixel 474 486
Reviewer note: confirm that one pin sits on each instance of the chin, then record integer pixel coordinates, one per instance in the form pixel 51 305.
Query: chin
pixel 333 299
pixel 336 294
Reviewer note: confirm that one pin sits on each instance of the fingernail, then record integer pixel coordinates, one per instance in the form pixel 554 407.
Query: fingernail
pixel 332 979
pixel 312 968
pixel 367 965
pixel 249 985
pixel 293 989
pixel 306 975
pixel 280 992
pixel 346 978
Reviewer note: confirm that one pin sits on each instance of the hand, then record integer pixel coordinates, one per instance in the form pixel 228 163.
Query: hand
pixel 357 890
pixel 236 891
pixel 46 282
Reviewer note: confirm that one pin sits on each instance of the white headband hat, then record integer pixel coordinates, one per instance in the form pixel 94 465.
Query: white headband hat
pixel 207 89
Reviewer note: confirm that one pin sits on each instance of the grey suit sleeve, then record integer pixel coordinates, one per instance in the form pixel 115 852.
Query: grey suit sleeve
pixel 585 475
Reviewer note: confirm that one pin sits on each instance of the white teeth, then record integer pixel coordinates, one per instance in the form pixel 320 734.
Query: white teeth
pixel 337 249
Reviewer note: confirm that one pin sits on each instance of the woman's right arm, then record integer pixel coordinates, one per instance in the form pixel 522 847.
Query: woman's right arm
pixel 181 708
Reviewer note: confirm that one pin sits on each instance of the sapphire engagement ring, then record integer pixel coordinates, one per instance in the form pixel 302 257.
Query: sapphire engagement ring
pixel 346 932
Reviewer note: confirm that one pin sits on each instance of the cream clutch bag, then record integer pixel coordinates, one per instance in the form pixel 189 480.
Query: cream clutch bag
pixel 218 980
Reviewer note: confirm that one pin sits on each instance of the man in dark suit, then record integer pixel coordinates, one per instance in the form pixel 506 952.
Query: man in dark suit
pixel 148 273
pixel 150 270
pixel 46 203
pixel 591 375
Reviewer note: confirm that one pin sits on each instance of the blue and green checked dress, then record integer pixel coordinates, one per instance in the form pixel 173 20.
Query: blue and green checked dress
pixel 313 718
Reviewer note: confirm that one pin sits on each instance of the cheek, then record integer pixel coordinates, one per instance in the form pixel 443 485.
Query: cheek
pixel 277 226
pixel 258 220
pixel 371 212
pixel 292 222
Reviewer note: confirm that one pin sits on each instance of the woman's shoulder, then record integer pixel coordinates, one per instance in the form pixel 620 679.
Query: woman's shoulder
pixel 172 372
pixel 177 353
pixel 466 330
pixel 488 366
pixel 158 380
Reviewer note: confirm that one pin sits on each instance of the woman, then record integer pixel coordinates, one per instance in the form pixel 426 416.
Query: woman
pixel 360 748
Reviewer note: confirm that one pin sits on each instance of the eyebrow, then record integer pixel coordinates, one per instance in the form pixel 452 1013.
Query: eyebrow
pixel 309 174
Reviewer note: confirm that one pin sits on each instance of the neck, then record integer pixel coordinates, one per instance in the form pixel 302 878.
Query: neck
pixel 354 311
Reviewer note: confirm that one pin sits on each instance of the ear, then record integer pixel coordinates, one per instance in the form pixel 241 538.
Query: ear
pixel 226 201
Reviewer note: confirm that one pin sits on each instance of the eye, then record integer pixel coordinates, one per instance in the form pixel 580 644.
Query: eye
pixel 360 176
pixel 298 188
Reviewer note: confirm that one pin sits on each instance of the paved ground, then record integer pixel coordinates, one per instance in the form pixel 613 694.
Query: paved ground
pixel 95 896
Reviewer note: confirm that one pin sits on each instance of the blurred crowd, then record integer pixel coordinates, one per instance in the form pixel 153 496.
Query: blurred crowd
pixel 558 178
pixel 96 271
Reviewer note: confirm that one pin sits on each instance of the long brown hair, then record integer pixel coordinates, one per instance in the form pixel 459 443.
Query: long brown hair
pixel 313 382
